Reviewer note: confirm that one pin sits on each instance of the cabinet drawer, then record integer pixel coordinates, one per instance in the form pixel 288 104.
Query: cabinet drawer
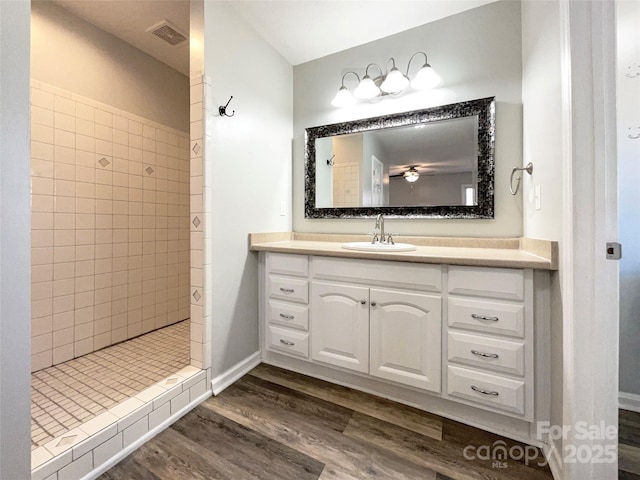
pixel 487 316
pixel 498 392
pixel 290 289
pixel 507 283
pixel 288 314
pixel 488 353
pixel 288 341
pixel 412 276
pixel 287 264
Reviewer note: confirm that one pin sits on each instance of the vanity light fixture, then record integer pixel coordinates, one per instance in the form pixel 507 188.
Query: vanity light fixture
pixel 426 77
pixel 395 81
pixel 344 98
pixel 390 83
pixel 367 88
pixel 411 175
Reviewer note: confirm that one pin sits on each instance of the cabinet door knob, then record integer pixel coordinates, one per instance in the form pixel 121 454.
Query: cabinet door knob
pixel 482 317
pixel 484 392
pixel 373 304
pixel 486 355
pixel 363 302
pixel 287 343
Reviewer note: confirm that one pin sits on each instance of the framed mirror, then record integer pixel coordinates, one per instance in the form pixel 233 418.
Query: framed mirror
pixel 431 163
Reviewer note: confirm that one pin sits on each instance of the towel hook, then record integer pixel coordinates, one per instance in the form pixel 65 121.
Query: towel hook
pixel 222 110
pixel 330 162
pixel 528 169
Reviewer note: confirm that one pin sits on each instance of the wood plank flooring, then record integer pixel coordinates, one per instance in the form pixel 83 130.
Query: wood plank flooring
pixel 277 425
pixel 629 445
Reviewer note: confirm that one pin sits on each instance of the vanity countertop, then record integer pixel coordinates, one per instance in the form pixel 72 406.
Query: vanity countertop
pixel 485 252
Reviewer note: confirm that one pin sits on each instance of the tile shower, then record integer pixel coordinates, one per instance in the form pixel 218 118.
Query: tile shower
pixel 346 185
pixel 69 395
pixel 110 225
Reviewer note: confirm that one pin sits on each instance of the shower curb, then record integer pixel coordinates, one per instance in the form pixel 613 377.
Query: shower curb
pixel 127 426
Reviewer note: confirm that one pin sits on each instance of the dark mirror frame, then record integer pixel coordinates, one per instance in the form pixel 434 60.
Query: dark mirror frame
pixel 484 108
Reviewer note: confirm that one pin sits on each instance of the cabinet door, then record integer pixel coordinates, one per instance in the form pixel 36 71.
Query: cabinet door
pixel 340 325
pixel 405 338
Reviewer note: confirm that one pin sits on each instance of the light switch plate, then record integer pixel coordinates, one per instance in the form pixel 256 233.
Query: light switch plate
pixel 537 198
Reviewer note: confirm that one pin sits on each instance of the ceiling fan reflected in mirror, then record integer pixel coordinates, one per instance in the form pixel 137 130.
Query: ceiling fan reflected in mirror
pixel 411 174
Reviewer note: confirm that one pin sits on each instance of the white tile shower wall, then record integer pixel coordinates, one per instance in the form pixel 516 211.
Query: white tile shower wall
pixel 110 225
pixel 346 185
pixel 199 222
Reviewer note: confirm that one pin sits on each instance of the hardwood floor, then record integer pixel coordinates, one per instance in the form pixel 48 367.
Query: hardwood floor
pixel 629 445
pixel 275 424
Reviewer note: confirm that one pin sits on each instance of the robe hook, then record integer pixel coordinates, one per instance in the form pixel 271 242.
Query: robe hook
pixel 222 110
pixel 330 162
pixel 528 169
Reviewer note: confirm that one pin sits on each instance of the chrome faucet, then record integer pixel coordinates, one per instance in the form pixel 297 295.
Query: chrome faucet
pixel 380 226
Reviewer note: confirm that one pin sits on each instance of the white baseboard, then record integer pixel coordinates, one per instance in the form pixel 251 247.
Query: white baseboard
pixel 113 461
pixel 629 401
pixel 240 369
pixel 554 459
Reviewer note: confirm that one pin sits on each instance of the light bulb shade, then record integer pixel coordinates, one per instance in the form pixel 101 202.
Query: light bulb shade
pixel 367 89
pixel 394 82
pixel 343 98
pixel 411 175
pixel 426 78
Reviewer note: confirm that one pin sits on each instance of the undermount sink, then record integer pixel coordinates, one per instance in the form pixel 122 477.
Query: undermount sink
pixel 379 247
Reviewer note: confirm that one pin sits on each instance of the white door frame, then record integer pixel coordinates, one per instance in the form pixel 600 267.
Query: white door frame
pixel 15 242
pixel 589 281
pixel 377 197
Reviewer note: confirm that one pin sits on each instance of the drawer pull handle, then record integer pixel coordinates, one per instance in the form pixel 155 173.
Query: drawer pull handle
pixel 484 392
pixel 486 355
pixel 482 317
pixel 287 317
pixel 287 290
pixel 287 343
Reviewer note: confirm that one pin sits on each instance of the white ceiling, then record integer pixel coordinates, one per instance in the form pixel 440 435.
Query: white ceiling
pixel 306 30
pixel 301 30
pixel 442 147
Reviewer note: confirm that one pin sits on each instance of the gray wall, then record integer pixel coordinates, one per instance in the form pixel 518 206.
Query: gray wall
pixel 478 54
pixel 15 242
pixel 251 157
pixel 442 189
pixel 74 55
pixel 542 125
pixel 629 195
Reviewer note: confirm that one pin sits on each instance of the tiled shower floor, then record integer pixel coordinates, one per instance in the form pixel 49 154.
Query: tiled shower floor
pixel 67 395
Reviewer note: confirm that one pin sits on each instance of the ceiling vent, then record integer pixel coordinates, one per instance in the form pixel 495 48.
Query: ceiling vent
pixel 168 32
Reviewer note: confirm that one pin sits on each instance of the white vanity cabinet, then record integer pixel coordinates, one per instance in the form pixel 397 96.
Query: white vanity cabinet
pixel 405 337
pixel 340 325
pixel 458 340
pixel 490 338
pixel 391 334
pixel 287 311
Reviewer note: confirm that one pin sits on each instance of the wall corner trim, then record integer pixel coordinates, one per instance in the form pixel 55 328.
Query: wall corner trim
pixel 553 459
pixel 225 379
pixel 629 401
